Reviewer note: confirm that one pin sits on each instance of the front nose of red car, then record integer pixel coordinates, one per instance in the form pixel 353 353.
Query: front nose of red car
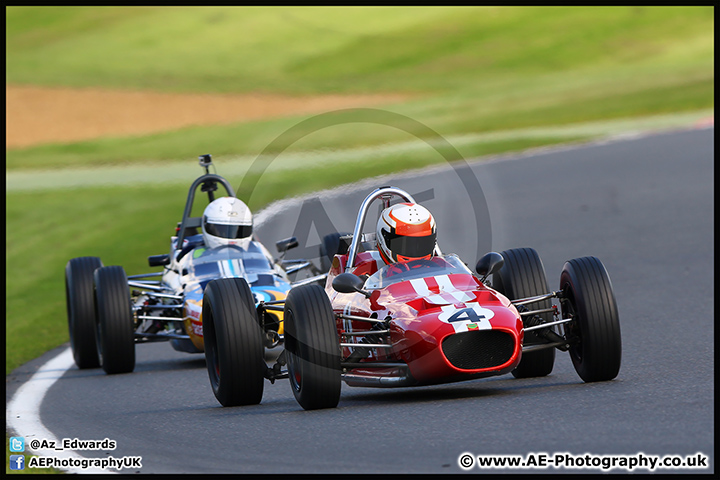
pixel 439 352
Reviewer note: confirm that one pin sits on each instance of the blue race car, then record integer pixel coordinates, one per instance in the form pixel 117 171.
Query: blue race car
pixel 109 312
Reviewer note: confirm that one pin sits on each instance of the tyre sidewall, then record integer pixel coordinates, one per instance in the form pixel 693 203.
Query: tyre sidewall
pixel 234 349
pixel 81 310
pixel 589 293
pixel 115 337
pixel 312 348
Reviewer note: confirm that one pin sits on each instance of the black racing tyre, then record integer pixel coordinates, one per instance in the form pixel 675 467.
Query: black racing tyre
pixel 81 310
pixel 330 246
pixel 115 336
pixel 312 348
pixel 523 275
pixel 590 300
pixel 234 352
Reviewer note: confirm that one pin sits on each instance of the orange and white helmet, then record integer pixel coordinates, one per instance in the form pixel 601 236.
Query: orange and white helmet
pixel 405 231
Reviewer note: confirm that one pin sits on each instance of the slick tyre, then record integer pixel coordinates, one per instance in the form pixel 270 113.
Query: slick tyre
pixel 312 348
pixel 589 299
pixel 81 310
pixel 330 246
pixel 523 275
pixel 234 352
pixel 115 341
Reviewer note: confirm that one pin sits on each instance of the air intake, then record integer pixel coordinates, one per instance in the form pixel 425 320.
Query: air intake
pixel 478 349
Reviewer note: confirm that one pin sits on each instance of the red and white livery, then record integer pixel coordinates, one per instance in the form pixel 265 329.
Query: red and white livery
pixel 395 312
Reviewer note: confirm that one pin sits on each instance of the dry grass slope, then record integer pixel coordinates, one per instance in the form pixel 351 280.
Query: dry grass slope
pixel 36 115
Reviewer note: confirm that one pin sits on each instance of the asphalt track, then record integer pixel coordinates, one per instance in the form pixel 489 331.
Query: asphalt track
pixel 644 206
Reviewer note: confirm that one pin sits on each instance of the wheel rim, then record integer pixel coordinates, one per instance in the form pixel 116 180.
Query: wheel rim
pixel 98 340
pixel 295 373
pixel 573 328
pixel 297 381
pixel 71 323
pixel 99 331
pixel 211 349
pixel 293 362
pixel 214 367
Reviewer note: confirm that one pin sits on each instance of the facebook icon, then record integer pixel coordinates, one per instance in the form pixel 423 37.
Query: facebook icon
pixel 17 462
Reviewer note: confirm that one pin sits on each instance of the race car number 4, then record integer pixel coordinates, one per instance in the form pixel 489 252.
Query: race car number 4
pixel 469 318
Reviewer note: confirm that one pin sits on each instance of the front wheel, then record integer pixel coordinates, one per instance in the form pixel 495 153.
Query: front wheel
pixel 589 299
pixel 523 275
pixel 312 348
pixel 81 310
pixel 234 351
pixel 115 337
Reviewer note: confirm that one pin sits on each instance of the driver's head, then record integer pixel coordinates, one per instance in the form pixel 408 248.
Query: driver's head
pixel 405 231
pixel 227 221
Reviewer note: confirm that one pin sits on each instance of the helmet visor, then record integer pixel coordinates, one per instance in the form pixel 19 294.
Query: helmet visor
pixel 413 247
pixel 228 231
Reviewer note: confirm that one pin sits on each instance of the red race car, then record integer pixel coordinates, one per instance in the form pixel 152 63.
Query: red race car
pixel 418 318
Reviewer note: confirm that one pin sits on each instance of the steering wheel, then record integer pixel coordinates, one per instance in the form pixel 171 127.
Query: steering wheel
pixel 187 248
pixel 229 247
pixel 401 267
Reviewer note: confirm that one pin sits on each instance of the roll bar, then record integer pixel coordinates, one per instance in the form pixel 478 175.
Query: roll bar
pixel 385 194
pixel 209 183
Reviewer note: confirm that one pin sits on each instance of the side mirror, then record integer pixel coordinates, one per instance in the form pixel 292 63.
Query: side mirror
pixel 159 260
pixel 349 283
pixel 490 263
pixel 285 245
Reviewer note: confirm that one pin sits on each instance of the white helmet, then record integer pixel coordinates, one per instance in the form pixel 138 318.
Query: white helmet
pixel 227 221
pixel 405 231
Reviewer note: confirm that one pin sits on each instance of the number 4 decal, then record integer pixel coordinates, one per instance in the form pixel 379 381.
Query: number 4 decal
pixel 466 315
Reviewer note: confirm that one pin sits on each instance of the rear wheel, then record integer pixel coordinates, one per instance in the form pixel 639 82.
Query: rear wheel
pixel 523 275
pixel 115 341
pixel 81 310
pixel 234 351
pixel 312 348
pixel 331 245
pixel 590 300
